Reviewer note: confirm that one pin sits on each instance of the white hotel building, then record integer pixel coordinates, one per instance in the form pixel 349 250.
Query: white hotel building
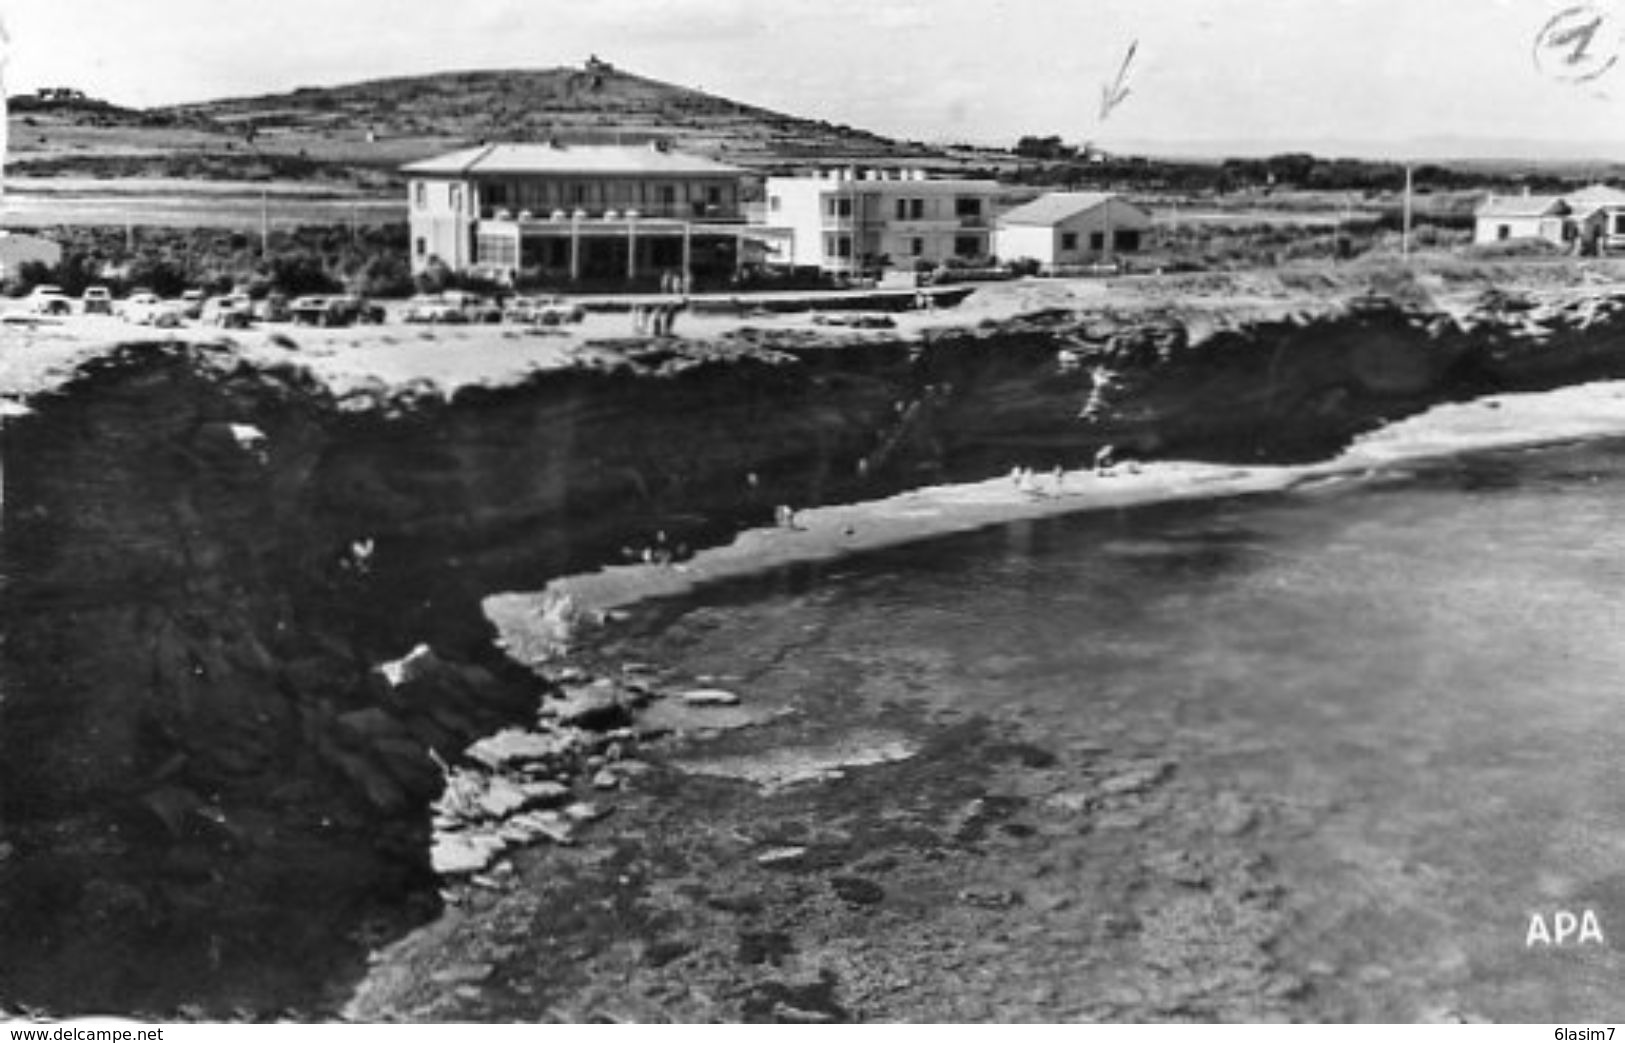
pixel 846 221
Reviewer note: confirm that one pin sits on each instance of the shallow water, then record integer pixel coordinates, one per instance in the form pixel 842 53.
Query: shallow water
pixel 1417 679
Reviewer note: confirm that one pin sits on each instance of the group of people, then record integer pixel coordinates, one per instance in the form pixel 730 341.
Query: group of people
pixel 658 317
pixel 1105 465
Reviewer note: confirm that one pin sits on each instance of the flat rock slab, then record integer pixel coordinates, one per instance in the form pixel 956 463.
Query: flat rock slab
pixel 512 748
pixel 460 854
pixel 777 769
pixel 680 717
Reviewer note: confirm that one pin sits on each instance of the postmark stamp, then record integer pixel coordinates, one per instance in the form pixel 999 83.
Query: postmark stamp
pixel 1578 44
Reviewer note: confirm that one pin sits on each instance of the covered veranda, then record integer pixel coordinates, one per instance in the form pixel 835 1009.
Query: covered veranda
pixel 620 249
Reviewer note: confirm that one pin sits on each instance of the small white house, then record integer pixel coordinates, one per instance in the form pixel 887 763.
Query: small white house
pixel 17 249
pixel 1070 228
pixel 1502 218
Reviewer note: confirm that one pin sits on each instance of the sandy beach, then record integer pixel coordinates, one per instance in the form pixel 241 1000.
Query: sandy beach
pixel 528 621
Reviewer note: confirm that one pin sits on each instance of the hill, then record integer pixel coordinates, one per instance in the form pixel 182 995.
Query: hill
pixel 359 133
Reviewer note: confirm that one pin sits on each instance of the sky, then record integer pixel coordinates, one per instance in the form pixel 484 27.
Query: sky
pixel 1285 72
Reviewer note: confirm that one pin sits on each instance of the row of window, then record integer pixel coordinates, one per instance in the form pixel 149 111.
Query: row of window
pixel 840 246
pixel 905 209
pixel 1126 239
pixel 545 194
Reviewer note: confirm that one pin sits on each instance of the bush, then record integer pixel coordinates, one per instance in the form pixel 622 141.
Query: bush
pixel 30 274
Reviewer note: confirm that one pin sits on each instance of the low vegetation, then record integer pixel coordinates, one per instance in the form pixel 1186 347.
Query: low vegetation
pixel 310 259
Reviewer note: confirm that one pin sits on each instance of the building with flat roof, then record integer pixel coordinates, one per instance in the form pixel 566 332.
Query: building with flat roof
pixel 846 221
pixel 553 212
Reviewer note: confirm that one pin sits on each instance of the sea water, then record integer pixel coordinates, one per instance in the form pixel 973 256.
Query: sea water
pixel 1419 674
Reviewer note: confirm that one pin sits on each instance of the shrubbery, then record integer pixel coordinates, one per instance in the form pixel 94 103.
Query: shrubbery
pixel 371 261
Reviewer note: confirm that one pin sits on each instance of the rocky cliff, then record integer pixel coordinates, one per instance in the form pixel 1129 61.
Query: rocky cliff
pixel 213 568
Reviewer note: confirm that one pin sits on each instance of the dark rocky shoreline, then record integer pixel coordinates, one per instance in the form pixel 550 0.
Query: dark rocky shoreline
pixel 207 559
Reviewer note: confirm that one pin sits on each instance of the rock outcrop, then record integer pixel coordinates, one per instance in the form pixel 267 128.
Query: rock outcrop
pixel 242 632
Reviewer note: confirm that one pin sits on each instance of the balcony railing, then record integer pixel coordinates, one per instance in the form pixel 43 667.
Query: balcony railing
pixel 680 212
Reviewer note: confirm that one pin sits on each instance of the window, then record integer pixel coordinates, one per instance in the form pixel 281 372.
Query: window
pixel 774 203
pixel 967 246
pixel 838 206
pixel 1069 241
pixel 498 251
pixel 713 196
pixel 902 210
pixel 916 246
pixel 967 206
pixel 496 195
pixel 1619 224
pixel 1127 239
pixel 422 247
pixel 420 193
pixel 1503 231
pixel 838 246
pixel 579 194
pixel 916 209
pixel 1097 241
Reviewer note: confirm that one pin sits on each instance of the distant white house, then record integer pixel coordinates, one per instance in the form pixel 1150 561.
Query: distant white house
pixel 1070 228
pixel 1592 218
pixel 1503 218
pixel 17 249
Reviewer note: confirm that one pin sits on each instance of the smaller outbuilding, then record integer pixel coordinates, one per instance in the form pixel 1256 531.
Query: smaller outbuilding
pixel 18 249
pixel 1062 229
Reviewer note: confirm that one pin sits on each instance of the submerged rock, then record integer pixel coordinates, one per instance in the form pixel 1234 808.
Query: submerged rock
pixel 709 697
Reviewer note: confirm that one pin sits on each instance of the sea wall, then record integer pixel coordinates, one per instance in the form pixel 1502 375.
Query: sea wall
pixel 207 559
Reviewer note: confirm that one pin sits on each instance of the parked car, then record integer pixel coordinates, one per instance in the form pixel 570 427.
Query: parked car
pixel 148 309
pixel 544 311
pixel 49 300
pixel 474 307
pixel 191 304
pixel 97 300
pixel 339 310
pixel 274 308
pixel 433 309
pixel 232 311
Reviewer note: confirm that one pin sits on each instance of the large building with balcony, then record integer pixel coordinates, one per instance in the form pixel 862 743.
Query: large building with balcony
pixel 606 214
pixel 846 221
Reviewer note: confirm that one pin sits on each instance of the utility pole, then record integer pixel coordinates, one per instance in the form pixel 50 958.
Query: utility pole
pixel 1405 242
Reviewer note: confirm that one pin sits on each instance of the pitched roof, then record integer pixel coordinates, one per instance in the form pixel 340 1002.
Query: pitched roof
pixel 1595 197
pixel 1054 207
pixel 570 159
pixel 1522 206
